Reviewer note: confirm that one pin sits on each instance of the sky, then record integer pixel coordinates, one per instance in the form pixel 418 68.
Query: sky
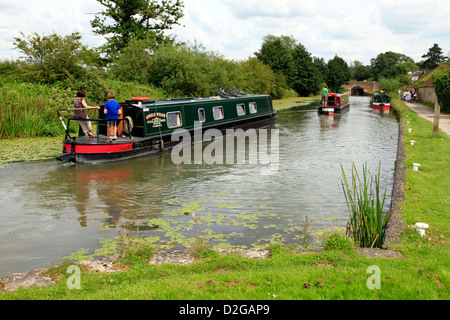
pixel 351 29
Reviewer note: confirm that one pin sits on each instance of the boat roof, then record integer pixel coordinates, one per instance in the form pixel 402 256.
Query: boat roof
pixel 188 100
pixel 338 94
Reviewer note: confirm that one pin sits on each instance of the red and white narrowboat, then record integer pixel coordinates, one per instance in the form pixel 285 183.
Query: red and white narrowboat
pixel 335 103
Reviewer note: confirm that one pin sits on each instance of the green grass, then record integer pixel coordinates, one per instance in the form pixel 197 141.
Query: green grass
pixel 339 273
pixel 427 191
pixel 291 102
pixel 287 275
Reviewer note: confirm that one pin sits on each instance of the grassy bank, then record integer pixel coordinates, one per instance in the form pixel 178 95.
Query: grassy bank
pixel 334 273
pixel 426 191
pixel 28 110
pixel 290 102
pixel 30 129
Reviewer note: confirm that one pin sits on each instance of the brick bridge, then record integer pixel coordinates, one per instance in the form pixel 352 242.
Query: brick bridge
pixel 353 86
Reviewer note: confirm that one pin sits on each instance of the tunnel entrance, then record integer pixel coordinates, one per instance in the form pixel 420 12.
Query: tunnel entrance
pixel 358 91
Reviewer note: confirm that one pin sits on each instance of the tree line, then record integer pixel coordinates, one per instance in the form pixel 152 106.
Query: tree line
pixel 139 50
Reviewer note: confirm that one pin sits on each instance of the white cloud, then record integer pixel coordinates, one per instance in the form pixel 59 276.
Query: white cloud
pixel 269 8
pixel 351 29
pixel 45 17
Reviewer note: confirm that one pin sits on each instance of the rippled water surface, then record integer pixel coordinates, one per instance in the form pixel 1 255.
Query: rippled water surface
pixel 49 210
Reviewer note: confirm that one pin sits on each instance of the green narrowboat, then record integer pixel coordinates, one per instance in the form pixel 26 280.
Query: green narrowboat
pixel 146 126
pixel 380 101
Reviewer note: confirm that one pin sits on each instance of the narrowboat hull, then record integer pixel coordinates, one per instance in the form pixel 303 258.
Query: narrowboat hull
pixel 154 134
pixel 380 105
pixel 334 110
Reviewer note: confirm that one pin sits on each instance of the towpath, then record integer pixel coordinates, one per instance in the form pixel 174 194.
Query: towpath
pixel 428 114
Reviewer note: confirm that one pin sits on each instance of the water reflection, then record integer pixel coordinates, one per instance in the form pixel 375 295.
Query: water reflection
pixel 329 122
pixel 49 210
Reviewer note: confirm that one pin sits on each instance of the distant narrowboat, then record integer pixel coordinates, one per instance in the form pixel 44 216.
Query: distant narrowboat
pixel 146 126
pixel 335 103
pixel 380 101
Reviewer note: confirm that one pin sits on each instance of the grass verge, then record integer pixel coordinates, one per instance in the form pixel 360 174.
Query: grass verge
pixel 291 102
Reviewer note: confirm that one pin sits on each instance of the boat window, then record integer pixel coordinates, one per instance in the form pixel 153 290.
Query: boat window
pixel 174 119
pixel 201 115
pixel 218 113
pixel 252 106
pixel 240 109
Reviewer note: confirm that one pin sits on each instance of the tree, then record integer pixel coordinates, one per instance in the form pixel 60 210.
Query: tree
pixel 338 73
pixel 54 58
pixel 276 52
pixel 126 20
pixel 134 62
pixel 389 85
pixel 359 71
pixel 321 67
pixel 305 78
pixel 291 59
pixel 410 66
pixel 433 58
pixel 253 76
pixel 389 65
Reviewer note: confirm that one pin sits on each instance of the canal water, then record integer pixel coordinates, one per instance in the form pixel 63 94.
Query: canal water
pixel 49 210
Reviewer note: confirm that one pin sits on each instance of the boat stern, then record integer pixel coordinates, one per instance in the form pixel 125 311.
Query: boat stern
pixel 66 157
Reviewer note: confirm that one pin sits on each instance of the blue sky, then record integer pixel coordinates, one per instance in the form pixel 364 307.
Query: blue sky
pixel 352 29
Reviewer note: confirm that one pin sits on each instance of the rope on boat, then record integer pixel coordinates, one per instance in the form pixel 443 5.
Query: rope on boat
pixel 128 125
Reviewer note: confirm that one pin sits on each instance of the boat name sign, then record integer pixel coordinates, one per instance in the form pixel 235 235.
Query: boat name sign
pixel 156 119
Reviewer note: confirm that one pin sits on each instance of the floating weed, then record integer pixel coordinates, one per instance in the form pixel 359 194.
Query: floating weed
pixel 29 149
pixel 189 226
pixel 80 255
pixel 171 201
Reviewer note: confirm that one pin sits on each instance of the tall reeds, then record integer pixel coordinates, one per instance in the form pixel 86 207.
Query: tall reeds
pixel 29 110
pixel 365 204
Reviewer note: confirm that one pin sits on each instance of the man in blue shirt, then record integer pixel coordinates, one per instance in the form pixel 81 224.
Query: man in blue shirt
pixel 112 111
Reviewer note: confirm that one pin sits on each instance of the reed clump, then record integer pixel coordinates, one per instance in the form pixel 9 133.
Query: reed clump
pixel 365 204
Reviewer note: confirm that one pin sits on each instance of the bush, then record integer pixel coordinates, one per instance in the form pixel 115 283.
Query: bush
pixel 389 85
pixel 182 70
pixel 441 81
pixel 337 241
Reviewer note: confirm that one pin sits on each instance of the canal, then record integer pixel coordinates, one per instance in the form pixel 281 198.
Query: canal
pixel 50 210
